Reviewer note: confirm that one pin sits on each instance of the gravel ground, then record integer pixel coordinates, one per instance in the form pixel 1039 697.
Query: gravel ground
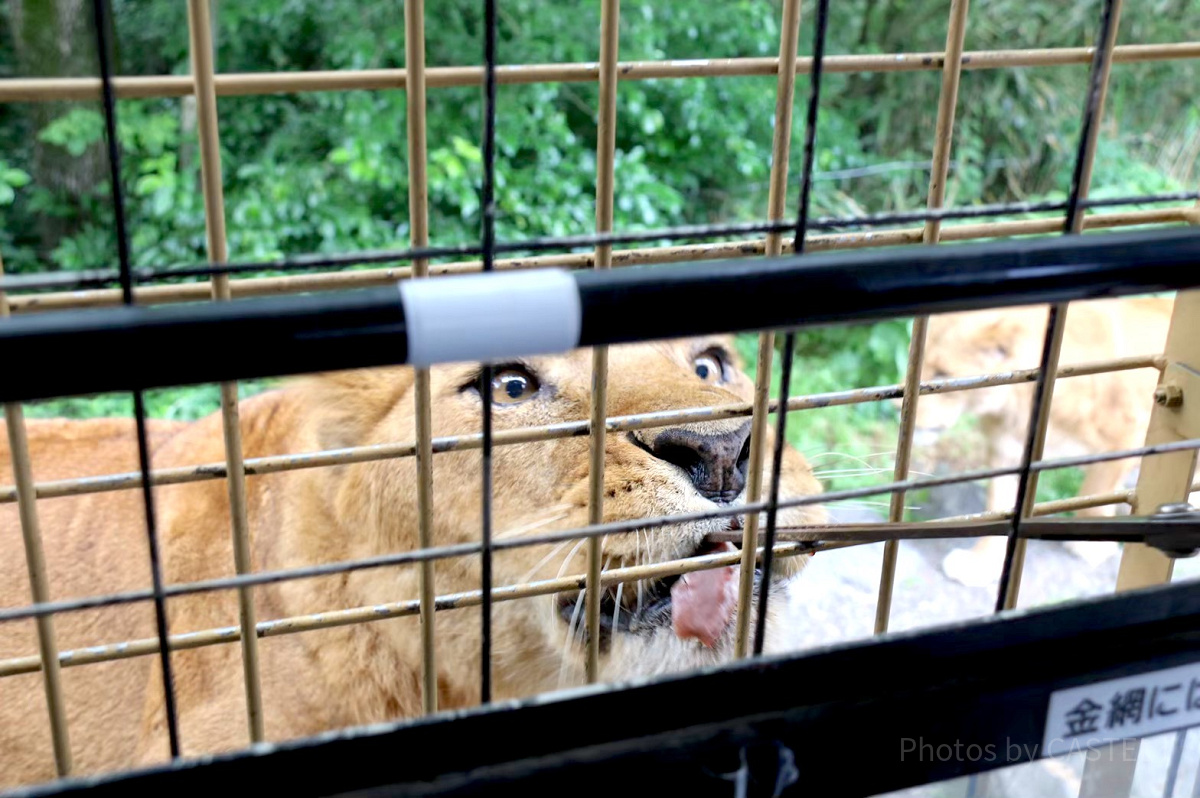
pixel 838 591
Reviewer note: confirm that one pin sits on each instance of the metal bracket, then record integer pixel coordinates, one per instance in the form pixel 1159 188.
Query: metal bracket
pixel 1175 530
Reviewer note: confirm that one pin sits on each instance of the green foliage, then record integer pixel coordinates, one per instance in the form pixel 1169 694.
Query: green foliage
pixel 1061 483
pixel 11 179
pixel 328 171
pixel 75 131
pixel 175 404
pixel 320 172
pixel 837 359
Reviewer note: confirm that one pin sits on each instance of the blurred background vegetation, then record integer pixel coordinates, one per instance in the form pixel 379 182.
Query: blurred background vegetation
pixel 326 172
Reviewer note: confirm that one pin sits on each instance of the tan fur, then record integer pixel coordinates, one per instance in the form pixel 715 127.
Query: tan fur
pixel 1089 414
pixel 371 672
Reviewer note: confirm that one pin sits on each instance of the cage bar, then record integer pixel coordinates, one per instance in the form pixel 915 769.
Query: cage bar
pixel 418 210
pixel 609 528
pixel 206 86
pixel 201 42
pixel 687 745
pixel 956 30
pixel 356 329
pixel 134 648
pixel 35 560
pixel 820 30
pixel 314 262
pixel 274 464
pixel 488 242
pixel 1162 479
pixel 257 83
pixel 270 286
pixel 101 20
pixel 606 145
pixel 399 609
pixel 1039 422
pixel 789 34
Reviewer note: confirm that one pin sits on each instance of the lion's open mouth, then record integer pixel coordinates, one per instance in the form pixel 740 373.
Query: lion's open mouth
pixel 698 605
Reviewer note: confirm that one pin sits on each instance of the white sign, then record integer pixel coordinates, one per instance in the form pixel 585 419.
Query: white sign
pixel 1122 709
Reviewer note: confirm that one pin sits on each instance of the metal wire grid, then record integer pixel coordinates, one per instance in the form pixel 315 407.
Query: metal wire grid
pixel 207 86
pixel 956 31
pixel 322 281
pixel 200 30
pixel 35 560
pixel 789 338
pixel 418 192
pixel 1039 421
pixel 102 15
pixel 488 205
pixel 241 84
pixel 99 277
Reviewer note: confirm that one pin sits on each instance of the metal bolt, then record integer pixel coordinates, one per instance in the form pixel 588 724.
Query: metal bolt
pixel 1175 508
pixel 1168 395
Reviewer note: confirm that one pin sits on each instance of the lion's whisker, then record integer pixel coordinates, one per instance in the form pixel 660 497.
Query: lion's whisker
pixel 844 472
pixel 566 658
pixel 854 458
pixel 567 561
pixel 573 627
pixel 861 503
pixel 571 556
pixel 545 560
pixel 535 524
pixel 884 453
pixel 617 607
pixel 638 558
pixel 854 472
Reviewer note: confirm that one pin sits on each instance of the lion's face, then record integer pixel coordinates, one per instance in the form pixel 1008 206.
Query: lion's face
pixel 965 345
pixel 542 487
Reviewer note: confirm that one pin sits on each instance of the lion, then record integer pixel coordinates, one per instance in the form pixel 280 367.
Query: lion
pixel 371 672
pixel 1088 414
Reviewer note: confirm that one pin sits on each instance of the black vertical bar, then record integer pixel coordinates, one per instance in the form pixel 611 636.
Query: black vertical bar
pixel 1090 113
pixel 488 205
pixel 789 339
pixel 102 16
pixel 1074 208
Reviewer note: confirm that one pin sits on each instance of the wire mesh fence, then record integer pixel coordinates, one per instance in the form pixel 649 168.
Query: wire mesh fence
pixel 605 311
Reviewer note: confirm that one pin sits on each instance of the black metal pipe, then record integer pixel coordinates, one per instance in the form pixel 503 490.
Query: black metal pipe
pixel 100 277
pixel 644 303
pixel 63 353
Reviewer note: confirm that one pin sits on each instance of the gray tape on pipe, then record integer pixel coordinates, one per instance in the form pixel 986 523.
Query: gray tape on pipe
pixel 490 317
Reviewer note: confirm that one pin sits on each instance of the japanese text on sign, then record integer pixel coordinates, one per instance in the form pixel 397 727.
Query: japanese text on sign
pixel 1120 709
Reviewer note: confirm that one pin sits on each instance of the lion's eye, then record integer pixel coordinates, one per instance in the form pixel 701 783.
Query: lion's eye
pixel 512 386
pixel 708 368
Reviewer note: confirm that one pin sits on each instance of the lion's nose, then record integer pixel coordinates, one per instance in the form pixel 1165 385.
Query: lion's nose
pixel 716 464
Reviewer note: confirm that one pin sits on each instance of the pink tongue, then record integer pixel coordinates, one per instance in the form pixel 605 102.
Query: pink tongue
pixel 702 603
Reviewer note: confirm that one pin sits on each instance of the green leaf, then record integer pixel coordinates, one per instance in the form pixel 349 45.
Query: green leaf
pixel 14 177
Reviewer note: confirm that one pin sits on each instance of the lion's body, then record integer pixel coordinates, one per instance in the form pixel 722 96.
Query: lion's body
pixel 1093 413
pixel 355 674
pixel 1089 414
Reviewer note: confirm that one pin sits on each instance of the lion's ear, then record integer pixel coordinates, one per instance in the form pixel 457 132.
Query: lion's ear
pixel 348 404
